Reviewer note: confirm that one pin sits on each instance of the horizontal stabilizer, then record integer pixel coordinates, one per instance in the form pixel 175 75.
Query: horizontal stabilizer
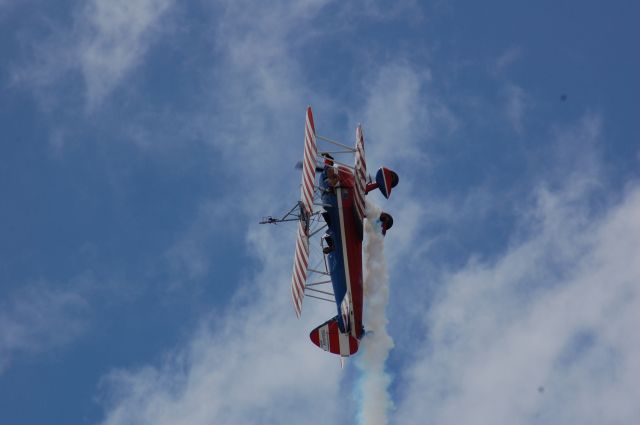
pixel 328 337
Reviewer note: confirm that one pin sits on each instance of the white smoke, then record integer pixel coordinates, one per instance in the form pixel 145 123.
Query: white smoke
pixel 377 343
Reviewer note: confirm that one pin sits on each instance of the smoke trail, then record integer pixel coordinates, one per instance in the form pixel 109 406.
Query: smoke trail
pixel 377 343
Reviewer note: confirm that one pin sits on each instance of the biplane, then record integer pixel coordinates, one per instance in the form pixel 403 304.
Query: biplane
pixel 331 212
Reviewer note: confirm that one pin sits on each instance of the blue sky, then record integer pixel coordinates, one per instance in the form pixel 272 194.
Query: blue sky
pixel 142 141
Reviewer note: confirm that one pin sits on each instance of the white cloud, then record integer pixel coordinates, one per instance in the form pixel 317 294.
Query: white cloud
pixel 189 255
pixel 516 101
pixel 250 362
pixel 410 11
pixel 105 42
pixel 395 114
pixel 258 80
pixel 39 318
pixel 506 59
pixel 544 333
pixel 403 118
pixel 515 106
pixel 115 36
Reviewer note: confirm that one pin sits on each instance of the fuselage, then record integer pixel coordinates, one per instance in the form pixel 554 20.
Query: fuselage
pixel 345 258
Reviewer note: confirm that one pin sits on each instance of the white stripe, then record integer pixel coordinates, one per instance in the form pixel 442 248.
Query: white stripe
pixel 323 340
pixel 344 344
pixel 300 264
pixel 360 173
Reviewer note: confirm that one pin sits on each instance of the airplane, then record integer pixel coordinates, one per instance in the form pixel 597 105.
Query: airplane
pixel 334 202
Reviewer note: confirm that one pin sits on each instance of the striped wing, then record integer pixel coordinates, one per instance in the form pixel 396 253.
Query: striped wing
pixel 360 172
pixel 301 259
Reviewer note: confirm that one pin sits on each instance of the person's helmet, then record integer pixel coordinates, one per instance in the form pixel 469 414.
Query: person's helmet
pixel 328 159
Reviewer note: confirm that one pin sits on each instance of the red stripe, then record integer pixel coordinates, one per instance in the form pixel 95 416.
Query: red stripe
pixel 301 251
pixel 300 268
pixel 307 203
pixel 295 291
pixel 308 146
pixel 297 295
pixel 308 177
pixel 307 168
pixel 353 345
pixel 308 190
pixel 360 173
pixel 310 118
pixel 334 338
pixel 309 165
pixel 299 286
pixel 309 141
pixel 301 257
pixel 301 263
pixel 308 133
pixel 308 162
pixel 300 273
pixel 308 174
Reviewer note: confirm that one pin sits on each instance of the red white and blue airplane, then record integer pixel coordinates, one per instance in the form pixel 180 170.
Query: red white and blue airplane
pixel 334 202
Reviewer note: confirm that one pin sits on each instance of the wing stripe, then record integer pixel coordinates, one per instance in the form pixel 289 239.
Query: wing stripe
pixel 309 170
pixel 301 256
pixel 299 271
pixel 360 173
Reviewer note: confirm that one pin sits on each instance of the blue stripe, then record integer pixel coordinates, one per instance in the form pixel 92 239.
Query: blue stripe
pixel 335 259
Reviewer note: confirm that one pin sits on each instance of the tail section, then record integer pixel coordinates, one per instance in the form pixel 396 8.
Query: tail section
pixel 328 337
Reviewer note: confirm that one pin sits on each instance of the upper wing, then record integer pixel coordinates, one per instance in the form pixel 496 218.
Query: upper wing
pixel 301 259
pixel 309 163
pixel 359 174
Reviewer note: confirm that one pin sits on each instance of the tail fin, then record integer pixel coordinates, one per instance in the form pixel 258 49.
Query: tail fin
pixel 328 337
